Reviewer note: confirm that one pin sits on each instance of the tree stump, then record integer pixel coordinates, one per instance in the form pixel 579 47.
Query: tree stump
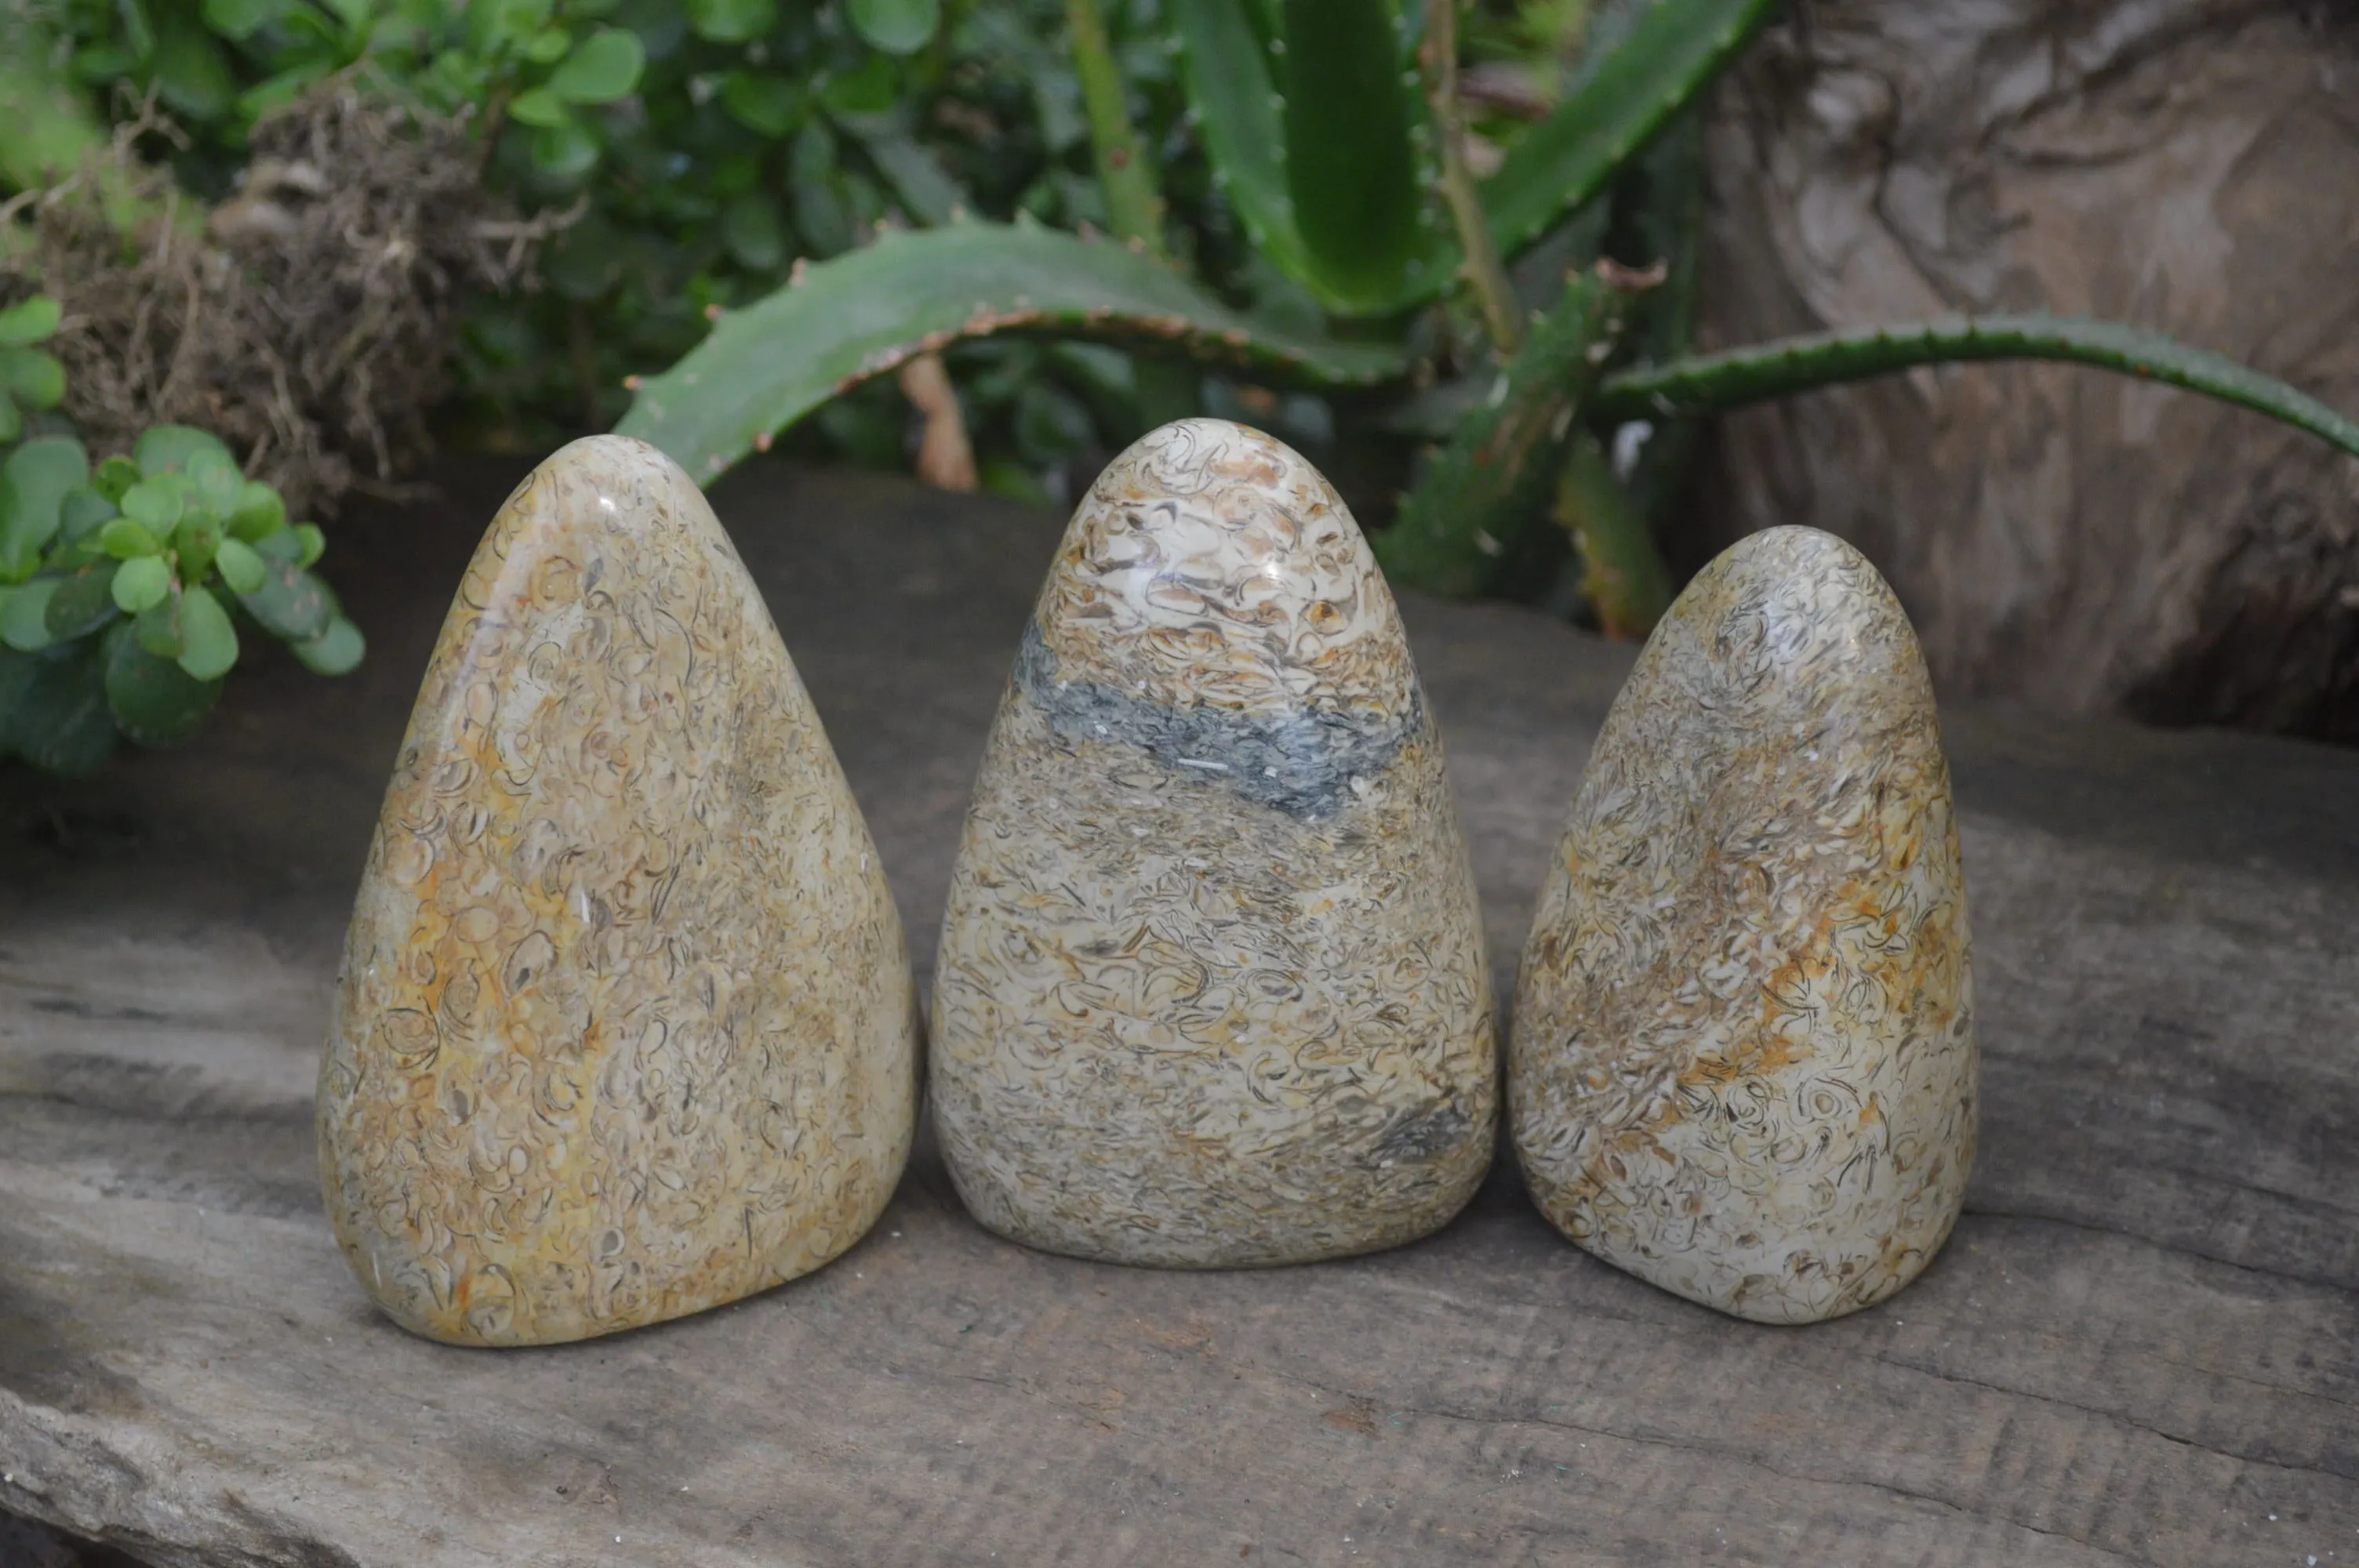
pixel 2077 540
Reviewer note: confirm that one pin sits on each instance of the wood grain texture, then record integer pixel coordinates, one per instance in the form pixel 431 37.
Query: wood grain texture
pixel 2141 1342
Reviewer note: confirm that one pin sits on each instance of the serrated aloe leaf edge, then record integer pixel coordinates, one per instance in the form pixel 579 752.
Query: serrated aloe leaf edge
pixel 1707 384
pixel 861 315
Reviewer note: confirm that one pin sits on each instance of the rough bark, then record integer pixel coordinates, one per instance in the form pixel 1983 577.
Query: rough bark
pixel 2080 541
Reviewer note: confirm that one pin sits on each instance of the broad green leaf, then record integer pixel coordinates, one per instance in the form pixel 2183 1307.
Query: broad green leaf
pixel 754 232
pixel 291 604
pixel 897 27
pixel 123 538
pixel 33 484
pixel 159 626
pixel 1351 173
pixel 1226 70
pixel 540 106
pixel 190 71
pixel 1673 51
pixel 274 93
pixel 763 101
pixel 208 640
pixel 194 542
pixel 84 602
pixel 870 88
pixel 166 448
pixel 295 546
pixel 29 320
pixel 548 46
pixel 564 152
pixel 924 193
pixel 12 419
pixel 83 513
pixel 113 478
pixel 260 513
pixel 494 26
pixel 822 218
pixel 242 19
pixel 140 585
pixel 240 567
pixel 333 652
pixel 605 67
pixel 35 379
pixel 1708 382
pixel 61 724
pixel 764 367
pixel 153 699
pixel 217 483
pixel 24 615
pixel 732 21
pixel 153 506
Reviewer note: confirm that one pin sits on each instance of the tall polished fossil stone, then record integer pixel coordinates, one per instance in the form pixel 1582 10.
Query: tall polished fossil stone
pixel 1211 990
pixel 1742 1064
pixel 625 1027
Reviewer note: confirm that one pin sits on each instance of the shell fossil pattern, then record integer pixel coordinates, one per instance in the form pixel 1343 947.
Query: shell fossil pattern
pixel 1211 990
pixel 625 1028
pixel 1743 1065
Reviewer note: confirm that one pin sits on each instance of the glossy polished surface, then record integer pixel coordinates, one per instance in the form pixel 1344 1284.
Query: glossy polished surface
pixel 625 1028
pixel 1743 1063
pixel 1211 988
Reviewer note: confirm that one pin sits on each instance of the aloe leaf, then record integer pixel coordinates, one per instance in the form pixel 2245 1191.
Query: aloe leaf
pixel 1351 169
pixel 1623 575
pixel 862 314
pixel 1632 93
pixel 1707 383
pixel 1127 172
pixel 1225 67
pixel 1488 485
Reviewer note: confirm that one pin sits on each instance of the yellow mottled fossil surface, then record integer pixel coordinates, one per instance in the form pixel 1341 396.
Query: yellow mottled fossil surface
pixel 1743 1063
pixel 625 1028
pixel 1212 989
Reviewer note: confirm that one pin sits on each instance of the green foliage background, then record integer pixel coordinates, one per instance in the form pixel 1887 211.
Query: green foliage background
pixel 706 146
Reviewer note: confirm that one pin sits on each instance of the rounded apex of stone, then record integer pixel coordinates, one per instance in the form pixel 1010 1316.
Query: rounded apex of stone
pixel 1212 565
pixel 1790 623
pixel 1742 1064
pixel 625 1027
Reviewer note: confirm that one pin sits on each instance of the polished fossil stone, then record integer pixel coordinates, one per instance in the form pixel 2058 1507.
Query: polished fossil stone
pixel 1212 989
pixel 1742 1064
pixel 625 1028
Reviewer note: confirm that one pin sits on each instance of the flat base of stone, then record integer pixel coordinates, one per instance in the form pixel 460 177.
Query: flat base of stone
pixel 2141 1342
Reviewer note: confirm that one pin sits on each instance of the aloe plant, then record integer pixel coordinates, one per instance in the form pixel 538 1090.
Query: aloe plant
pixel 1336 138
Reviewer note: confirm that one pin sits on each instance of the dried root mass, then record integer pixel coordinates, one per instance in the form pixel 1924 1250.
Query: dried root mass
pixel 310 322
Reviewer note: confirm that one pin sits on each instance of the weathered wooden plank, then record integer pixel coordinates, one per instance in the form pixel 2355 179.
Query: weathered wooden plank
pixel 2142 1344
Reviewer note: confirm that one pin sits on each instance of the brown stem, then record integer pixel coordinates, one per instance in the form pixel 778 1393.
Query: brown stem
pixel 1482 272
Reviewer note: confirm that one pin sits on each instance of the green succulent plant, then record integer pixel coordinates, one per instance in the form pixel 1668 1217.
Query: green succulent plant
pixel 1337 138
pixel 123 583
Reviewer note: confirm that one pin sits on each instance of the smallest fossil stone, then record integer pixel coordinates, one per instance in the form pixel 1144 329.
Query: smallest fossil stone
pixel 1743 1065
